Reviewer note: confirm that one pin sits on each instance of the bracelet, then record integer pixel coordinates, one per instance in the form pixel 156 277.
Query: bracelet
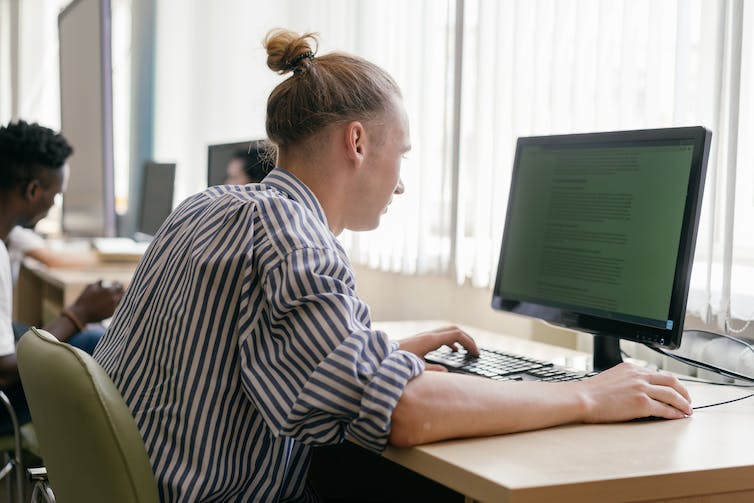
pixel 73 319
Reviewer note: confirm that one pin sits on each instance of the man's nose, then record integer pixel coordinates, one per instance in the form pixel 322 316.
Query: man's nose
pixel 399 188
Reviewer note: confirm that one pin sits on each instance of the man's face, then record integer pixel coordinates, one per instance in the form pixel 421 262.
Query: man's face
pixel 234 173
pixel 41 196
pixel 380 175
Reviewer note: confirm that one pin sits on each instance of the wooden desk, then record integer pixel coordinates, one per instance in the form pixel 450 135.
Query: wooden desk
pixel 707 458
pixel 41 291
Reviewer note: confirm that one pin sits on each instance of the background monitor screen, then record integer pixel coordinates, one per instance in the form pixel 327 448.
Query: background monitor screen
pixel 158 181
pixel 86 117
pixel 600 231
pixel 253 153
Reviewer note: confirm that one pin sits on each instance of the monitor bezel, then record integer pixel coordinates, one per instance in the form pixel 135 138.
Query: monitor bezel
pixel 622 329
pixel 167 194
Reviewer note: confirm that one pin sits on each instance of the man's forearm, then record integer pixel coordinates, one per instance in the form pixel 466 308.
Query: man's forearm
pixel 440 405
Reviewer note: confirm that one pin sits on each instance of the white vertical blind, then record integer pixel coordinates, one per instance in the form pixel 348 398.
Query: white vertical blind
pixel 213 82
pixel 411 40
pixel 37 95
pixel 6 100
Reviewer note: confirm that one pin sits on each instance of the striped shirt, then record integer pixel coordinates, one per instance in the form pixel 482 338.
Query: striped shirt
pixel 241 342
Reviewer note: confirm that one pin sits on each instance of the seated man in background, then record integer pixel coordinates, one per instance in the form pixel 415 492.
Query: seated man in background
pixel 250 166
pixel 32 173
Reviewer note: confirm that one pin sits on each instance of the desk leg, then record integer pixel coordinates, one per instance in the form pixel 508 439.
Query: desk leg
pixel 27 298
pixel 53 301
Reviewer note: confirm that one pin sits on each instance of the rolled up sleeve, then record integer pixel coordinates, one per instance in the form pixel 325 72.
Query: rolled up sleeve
pixel 325 373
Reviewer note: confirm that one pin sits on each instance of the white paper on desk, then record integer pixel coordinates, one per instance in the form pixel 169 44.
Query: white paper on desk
pixel 119 247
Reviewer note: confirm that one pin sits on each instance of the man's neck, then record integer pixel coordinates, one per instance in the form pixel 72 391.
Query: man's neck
pixel 8 218
pixel 323 180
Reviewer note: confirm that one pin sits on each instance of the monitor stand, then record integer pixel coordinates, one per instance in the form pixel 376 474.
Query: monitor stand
pixel 606 352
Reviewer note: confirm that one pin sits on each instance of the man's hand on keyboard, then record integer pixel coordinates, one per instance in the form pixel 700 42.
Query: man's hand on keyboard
pixel 423 343
pixel 626 392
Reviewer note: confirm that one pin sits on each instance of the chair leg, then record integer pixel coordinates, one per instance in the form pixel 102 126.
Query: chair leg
pixel 20 497
pixel 7 465
pixel 15 462
pixel 43 493
pixel 38 477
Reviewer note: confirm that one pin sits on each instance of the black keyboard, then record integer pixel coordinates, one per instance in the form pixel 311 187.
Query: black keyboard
pixel 502 366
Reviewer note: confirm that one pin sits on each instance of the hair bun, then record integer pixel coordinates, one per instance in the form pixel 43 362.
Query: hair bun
pixel 287 51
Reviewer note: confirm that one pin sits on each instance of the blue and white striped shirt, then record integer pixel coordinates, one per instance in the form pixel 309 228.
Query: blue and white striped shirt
pixel 241 341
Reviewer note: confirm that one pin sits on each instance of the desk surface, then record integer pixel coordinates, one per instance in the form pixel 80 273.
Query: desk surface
pixel 66 276
pixel 41 291
pixel 709 453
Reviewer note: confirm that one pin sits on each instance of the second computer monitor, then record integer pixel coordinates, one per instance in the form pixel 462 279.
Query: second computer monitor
pixel 600 232
pixel 158 180
pixel 253 156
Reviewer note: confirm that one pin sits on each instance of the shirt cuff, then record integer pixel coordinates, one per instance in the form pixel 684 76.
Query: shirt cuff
pixel 371 428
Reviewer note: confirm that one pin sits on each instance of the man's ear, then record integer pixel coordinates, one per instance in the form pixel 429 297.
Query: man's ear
pixel 355 141
pixel 32 190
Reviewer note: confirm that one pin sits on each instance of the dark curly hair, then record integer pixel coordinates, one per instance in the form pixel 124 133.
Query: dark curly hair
pixel 27 149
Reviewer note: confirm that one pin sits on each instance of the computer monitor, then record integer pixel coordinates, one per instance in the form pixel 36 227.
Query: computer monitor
pixel 254 155
pixel 158 181
pixel 86 112
pixel 600 233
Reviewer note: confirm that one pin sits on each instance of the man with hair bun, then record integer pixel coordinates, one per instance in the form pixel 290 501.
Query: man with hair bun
pixel 32 172
pixel 242 342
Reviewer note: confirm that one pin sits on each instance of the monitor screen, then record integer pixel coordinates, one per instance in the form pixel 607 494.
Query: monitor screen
pixel 158 181
pixel 600 231
pixel 253 157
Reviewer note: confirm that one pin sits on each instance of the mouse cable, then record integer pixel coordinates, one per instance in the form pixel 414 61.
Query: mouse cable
pixel 701 381
pixel 702 365
pixel 711 368
pixel 714 383
pixel 697 407
pixel 726 336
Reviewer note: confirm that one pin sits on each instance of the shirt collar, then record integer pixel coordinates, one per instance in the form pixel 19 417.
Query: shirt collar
pixel 286 182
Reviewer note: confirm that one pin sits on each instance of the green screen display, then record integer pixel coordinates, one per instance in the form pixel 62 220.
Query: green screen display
pixel 597 228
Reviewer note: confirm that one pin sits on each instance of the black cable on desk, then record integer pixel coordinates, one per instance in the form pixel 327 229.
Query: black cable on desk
pixel 715 383
pixel 702 365
pixel 722 403
pixel 711 368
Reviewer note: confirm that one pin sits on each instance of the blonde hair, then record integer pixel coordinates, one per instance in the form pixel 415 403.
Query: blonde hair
pixel 323 90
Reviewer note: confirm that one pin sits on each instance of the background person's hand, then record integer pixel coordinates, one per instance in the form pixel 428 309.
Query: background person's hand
pixel 423 343
pixel 98 301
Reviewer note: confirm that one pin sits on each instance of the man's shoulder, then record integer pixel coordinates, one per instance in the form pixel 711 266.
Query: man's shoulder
pixel 291 225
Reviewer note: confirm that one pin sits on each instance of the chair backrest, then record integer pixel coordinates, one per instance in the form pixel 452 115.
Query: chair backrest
pixel 88 439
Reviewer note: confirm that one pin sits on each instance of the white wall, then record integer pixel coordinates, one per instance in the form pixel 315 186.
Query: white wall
pixel 398 297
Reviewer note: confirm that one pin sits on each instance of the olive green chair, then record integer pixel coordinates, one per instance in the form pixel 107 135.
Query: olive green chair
pixel 91 447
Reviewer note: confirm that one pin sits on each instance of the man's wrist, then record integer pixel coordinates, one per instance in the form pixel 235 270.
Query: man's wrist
pixel 74 317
